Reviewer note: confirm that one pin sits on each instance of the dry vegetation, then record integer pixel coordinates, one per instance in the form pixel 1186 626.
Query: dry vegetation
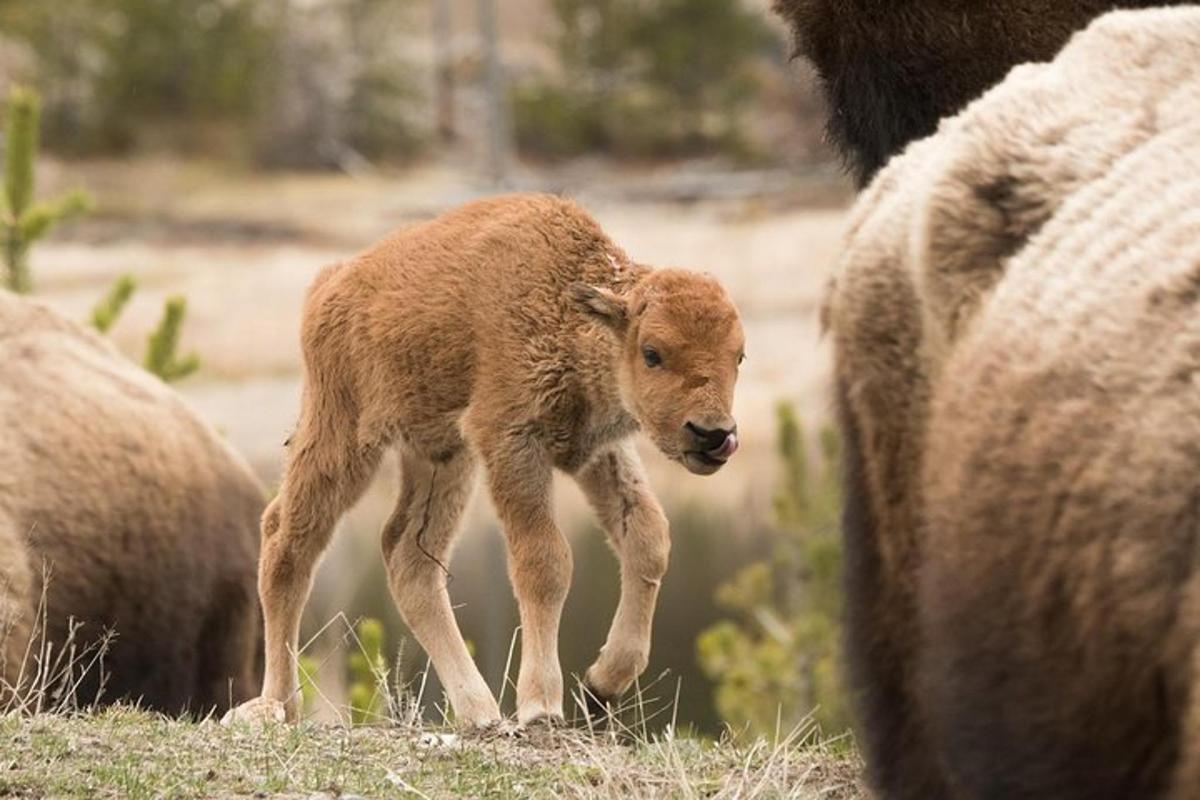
pixel 52 747
pixel 129 753
pixel 123 752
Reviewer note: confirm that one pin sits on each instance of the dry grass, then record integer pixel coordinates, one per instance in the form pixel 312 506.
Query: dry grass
pixel 51 674
pixel 123 752
pixel 53 748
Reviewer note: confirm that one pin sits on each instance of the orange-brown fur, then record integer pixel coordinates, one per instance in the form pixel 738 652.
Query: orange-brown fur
pixel 142 518
pixel 508 333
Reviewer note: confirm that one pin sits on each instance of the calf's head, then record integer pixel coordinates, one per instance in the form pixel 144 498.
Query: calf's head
pixel 681 342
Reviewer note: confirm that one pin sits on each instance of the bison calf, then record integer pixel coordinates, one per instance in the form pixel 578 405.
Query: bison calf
pixel 511 331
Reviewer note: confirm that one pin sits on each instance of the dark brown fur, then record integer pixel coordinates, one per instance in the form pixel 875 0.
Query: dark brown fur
pixel 890 69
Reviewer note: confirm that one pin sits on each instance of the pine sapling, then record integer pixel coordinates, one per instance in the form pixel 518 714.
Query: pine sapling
pixel 105 312
pixel 161 355
pixel 22 221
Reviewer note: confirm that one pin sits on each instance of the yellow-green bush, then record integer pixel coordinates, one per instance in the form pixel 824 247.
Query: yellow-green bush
pixel 368 673
pixel 776 660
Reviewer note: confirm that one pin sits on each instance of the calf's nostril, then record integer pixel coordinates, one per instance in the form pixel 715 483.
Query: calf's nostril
pixel 727 447
pixel 710 439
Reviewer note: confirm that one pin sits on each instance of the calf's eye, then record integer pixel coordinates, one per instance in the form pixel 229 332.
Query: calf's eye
pixel 741 358
pixel 653 359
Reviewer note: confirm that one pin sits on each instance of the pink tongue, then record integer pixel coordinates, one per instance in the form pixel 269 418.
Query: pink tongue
pixel 727 448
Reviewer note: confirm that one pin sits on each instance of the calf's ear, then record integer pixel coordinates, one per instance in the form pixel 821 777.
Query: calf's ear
pixel 604 304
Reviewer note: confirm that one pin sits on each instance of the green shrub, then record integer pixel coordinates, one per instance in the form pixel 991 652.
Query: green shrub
pixel 644 78
pixel 777 660
pixel 551 121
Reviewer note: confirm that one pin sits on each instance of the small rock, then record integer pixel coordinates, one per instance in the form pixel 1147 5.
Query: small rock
pixel 447 740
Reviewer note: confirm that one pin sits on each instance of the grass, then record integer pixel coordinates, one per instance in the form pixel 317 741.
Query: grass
pixel 50 747
pixel 123 752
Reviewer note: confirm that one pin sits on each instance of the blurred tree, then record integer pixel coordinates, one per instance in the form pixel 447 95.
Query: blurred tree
pixel 644 78
pixel 339 89
pixel 699 57
pixel 22 221
pixel 443 29
pixel 778 661
pixel 313 85
pixel 383 91
pixel 124 73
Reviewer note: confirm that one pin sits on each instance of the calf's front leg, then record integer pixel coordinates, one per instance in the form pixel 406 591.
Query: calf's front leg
pixel 615 484
pixel 539 565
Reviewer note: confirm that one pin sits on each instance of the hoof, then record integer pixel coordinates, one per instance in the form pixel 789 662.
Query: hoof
pixel 544 722
pixel 495 729
pixel 598 706
pixel 257 712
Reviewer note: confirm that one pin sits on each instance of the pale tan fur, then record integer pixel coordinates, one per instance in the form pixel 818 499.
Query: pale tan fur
pixel 1017 334
pixel 509 332
pixel 143 518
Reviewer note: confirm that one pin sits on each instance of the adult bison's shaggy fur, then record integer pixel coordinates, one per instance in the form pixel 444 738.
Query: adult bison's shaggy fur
pixel 142 519
pixel 890 69
pixel 512 332
pixel 1017 338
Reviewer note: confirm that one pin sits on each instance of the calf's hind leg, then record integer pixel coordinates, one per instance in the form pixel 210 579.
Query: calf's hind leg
pixel 615 484
pixel 327 472
pixel 417 544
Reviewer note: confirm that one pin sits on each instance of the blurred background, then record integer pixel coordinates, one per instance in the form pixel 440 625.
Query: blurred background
pixel 227 149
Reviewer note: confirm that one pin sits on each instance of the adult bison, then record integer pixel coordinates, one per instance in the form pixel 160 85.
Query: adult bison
pixel 1017 349
pixel 140 519
pixel 890 69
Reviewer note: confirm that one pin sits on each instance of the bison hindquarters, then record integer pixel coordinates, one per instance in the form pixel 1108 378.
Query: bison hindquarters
pixel 1057 589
